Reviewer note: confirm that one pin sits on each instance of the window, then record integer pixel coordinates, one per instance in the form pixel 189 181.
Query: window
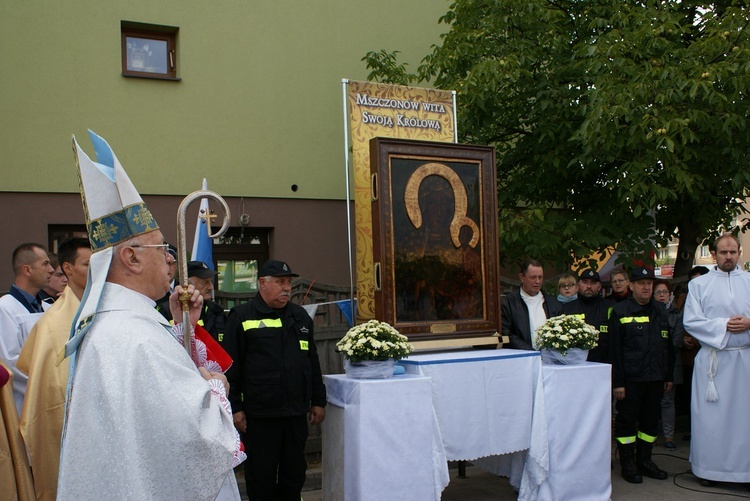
pixel 56 233
pixel 149 50
pixel 705 251
pixel 238 255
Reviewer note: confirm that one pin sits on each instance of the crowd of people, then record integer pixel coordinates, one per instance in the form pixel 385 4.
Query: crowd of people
pixel 100 397
pixel 656 339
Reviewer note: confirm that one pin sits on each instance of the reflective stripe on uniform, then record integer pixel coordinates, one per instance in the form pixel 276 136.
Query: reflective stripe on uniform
pixel 625 440
pixel 200 322
pixel 264 322
pixel 646 438
pixel 634 320
pixel 579 316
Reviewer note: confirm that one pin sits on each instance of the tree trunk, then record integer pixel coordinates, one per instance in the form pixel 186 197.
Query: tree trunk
pixel 689 241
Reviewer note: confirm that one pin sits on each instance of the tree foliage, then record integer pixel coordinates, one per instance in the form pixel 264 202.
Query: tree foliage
pixel 616 122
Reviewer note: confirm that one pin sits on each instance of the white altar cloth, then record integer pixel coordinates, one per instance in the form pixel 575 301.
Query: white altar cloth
pixel 579 421
pixel 381 440
pixel 490 404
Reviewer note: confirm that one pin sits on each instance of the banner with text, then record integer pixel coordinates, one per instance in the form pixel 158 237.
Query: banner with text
pixel 384 110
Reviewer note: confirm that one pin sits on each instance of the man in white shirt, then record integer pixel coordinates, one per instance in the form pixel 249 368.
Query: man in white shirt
pixel 525 310
pixel 21 308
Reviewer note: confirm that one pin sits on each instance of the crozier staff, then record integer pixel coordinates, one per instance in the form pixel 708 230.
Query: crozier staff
pixel 143 422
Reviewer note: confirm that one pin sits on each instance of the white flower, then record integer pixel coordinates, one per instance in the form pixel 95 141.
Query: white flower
pixel 564 332
pixel 374 340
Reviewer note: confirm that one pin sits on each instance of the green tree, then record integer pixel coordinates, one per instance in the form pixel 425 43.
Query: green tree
pixel 616 122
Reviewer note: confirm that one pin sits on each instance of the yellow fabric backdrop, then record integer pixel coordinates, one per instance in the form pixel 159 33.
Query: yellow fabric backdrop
pixel 384 110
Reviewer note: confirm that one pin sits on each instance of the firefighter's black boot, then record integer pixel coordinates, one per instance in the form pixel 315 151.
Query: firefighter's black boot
pixel 627 463
pixel 645 465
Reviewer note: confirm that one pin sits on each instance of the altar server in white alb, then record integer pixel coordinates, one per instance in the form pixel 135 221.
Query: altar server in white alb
pixel 717 314
pixel 143 421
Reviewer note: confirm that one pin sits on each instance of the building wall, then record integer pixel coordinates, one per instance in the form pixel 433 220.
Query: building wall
pixel 309 234
pixel 258 107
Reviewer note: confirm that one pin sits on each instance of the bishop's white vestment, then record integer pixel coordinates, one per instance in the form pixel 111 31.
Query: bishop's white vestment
pixel 720 402
pixel 142 422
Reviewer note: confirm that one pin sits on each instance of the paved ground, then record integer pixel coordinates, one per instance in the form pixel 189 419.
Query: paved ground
pixel 480 485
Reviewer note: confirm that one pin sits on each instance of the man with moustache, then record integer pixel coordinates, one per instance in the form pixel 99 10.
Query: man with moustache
pixel 594 310
pixel 275 382
pixel 642 368
pixel 717 314
pixel 526 309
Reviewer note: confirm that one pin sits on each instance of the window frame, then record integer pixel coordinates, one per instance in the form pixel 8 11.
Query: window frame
pixel 258 251
pixel 57 233
pixel 151 32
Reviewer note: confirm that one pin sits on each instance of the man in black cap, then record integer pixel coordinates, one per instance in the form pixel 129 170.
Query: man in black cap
pixel 213 318
pixel 642 369
pixel 593 309
pixel 275 381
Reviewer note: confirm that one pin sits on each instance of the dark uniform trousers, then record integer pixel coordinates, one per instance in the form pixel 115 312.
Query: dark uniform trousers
pixel 270 442
pixel 638 413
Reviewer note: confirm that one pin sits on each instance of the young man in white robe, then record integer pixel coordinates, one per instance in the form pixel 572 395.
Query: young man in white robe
pixel 143 421
pixel 717 314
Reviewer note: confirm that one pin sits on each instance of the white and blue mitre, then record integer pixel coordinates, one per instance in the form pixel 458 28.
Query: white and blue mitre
pixel 115 213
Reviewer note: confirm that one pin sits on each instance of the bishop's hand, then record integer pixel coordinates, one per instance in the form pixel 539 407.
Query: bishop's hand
pixel 194 303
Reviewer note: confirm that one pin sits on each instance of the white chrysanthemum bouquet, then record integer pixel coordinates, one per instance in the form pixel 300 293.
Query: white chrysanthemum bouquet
pixel 565 332
pixel 374 340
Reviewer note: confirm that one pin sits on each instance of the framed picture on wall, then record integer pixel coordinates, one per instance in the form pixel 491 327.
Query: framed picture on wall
pixel 434 212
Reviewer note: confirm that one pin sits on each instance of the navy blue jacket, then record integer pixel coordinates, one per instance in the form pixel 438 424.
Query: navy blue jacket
pixel 276 371
pixel 640 343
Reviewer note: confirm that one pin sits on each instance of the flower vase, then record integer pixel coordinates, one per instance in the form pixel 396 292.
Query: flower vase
pixel 369 369
pixel 574 356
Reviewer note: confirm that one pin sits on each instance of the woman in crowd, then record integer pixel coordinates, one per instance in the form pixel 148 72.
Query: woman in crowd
pixel 567 288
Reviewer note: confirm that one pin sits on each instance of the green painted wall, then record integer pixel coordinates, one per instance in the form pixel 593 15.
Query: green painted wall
pixel 259 106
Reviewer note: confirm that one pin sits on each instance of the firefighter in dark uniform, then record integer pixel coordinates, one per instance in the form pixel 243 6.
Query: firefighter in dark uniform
pixel 275 381
pixel 642 369
pixel 213 318
pixel 593 309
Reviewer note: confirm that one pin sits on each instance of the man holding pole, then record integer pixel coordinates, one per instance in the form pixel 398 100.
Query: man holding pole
pixel 143 422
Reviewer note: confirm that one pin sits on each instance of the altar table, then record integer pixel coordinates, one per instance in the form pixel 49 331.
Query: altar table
pixel 381 440
pixel 490 404
pixel 547 428
pixel 578 401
